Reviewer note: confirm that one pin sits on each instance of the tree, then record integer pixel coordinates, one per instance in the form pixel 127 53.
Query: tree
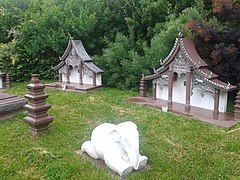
pixel 217 40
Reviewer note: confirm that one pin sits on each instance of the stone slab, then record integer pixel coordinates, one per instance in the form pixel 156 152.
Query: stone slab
pixel 73 87
pixel 10 105
pixel 223 120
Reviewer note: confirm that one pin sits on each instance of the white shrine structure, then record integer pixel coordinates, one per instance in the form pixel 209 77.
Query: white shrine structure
pixel 185 78
pixel 76 70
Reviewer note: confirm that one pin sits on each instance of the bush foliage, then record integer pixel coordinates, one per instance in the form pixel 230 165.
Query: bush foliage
pixel 127 37
pixel 217 39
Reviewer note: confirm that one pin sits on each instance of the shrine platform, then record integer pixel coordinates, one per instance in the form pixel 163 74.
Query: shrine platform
pixel 10 105
pixel 72 87
pixel 223 120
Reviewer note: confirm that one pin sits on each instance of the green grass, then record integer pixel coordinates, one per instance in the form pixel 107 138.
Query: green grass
pixel 177 148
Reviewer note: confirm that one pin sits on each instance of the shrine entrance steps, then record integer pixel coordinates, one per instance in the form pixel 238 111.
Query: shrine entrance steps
pixel 223 120
pixel 72 87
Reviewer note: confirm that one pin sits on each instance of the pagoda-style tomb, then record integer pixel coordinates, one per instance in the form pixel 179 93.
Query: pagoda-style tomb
pixel 185 85
pixel 76 70
pixel 10 105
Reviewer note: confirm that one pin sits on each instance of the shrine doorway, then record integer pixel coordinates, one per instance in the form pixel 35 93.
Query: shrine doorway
pixel 179 88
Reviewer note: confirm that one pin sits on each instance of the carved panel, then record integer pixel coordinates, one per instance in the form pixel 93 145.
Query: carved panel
pixel 162 81
pixel 180 64
pixel 73 59
pixel 63 70
pixel 199 83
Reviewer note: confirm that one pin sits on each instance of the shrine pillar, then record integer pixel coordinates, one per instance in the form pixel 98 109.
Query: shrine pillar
pixel 60 77
pixel 216 101
pixel 237 107
pixel 8 81
pixel 94 78
pixel 170 83
pixel 80 70
pixel 188 89
pixel 67 73
pixel 143 88
pixel 154 88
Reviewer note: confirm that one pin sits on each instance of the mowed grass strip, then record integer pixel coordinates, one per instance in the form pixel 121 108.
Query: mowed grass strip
pixel 177 148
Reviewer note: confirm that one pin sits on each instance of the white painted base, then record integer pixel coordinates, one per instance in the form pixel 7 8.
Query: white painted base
pixel 87 79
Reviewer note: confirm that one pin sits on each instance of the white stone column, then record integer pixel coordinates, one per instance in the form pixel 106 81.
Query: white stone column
pixel 67 73
pixel 188 89
pixel 170 83
pixel 1 82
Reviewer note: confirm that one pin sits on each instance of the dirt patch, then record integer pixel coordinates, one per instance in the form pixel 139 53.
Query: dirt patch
pixel 100 163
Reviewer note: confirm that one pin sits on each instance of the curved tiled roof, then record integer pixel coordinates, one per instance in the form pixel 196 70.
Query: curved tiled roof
pixel 77 45
pixel 93 67
pixel 81 52
pixel 189 51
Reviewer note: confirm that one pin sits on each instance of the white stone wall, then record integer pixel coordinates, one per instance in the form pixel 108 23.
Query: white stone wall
pixel 179 96
pixel 64 79
pixel 74 76
pixel 223 97
pixel 99 79
pixel 1 82
pixel 87 79
pixel 162 93
pixel 179 90
pixel 206 102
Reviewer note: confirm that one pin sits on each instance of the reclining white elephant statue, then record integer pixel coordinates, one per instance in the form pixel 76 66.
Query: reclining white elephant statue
pixel 117 145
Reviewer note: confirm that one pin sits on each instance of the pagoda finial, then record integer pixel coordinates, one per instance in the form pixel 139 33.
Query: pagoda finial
pixel 70 37
pixel 180 33
pixel 154 70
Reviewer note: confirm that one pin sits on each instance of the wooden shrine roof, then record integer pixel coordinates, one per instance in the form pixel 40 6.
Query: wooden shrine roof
pixel 80 51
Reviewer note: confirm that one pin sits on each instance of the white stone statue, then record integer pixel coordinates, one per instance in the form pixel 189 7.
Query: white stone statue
pixel 117 145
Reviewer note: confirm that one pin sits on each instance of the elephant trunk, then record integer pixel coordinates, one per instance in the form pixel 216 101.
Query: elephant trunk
pixel 133 154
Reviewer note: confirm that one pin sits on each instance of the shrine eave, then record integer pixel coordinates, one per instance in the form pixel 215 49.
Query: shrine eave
pixel 57 67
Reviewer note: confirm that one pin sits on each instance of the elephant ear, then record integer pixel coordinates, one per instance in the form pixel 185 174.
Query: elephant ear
pixel 115 136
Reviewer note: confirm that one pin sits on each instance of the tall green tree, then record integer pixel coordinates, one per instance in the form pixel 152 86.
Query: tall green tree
pixel 44 34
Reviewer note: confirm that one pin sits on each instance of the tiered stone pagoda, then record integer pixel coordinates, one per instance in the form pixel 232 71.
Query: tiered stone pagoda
pixel 76 70
pixel 185 85
pixel 237 107
pixel 37 118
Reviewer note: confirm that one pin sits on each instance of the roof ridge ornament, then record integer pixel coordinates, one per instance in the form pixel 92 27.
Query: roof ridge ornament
pixel 210 75
pixel 154 70
pixel 161 62
pixel 70 37
pixel 228 86
pixel 180 33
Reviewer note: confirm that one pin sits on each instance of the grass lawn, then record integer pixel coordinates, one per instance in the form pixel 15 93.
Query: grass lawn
pixel 177 148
